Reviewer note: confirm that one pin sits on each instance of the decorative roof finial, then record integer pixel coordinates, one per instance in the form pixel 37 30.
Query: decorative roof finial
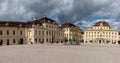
pixel 7 24
pixel 44 16
pixel 35 19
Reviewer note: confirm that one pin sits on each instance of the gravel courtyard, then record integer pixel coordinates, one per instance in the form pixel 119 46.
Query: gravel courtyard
pixel 60 54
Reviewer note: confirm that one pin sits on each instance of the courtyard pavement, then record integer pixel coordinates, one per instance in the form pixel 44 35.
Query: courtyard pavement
pixel 84 53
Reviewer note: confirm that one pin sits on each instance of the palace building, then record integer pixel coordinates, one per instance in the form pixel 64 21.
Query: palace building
pixel 101 33
pixel 38 31
pixel 71 32
pixel 12 33
pixel 46 30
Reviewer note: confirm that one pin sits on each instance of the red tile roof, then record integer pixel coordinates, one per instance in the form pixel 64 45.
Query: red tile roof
pixel 103 22
pixel 27 24
pixel 67 25
pixel 12 24
pixel 45 20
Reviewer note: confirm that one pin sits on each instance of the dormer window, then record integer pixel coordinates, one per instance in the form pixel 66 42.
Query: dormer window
pixel 35 19
pixel 20 25
pixel 7 24
pixel 44 16
pixel 53 22
pixel 38 24
pixel 48 21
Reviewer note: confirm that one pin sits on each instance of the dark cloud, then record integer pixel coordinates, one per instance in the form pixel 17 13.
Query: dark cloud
pixel 81 9
pixel 41 8
pixel 64 10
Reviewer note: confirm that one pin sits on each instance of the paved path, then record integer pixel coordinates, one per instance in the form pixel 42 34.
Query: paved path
pixel 59 54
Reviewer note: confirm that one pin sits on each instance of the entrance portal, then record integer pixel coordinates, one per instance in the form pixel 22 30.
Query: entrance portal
pixel 99 41
pixel 21 41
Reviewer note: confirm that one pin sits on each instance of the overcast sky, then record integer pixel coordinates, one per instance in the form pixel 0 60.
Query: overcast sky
pixel 83 13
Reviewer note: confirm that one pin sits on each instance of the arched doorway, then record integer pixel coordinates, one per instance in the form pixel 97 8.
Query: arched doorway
pixel 21 41
pixel 101 41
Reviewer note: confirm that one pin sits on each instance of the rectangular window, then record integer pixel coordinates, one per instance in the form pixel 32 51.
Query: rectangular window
pixel 43 40
pixel 13 40
pixel 21 32
pixel 49 33
pixel 39 33
pixel 39 39
pixel 7 32
pixel 1 40
pixel 42 32
pixel 52 32
pixel 13 32
pixel 1 33
pixel 46 32
pixel 46 40
pixel 35 32
pixel 7 41
pixel 36 40
pixel 106 32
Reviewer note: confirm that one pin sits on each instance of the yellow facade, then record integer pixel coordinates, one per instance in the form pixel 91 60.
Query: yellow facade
pixel 40 34
pixel 43 30
pixel 101 33
pixel 71 32
pixel 47 32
